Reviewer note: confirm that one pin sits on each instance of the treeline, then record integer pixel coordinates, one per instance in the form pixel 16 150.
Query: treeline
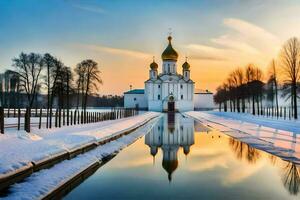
pixel 45 81
pixel 246 87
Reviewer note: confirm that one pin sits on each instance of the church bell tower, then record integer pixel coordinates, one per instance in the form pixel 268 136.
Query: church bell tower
pixel 169 57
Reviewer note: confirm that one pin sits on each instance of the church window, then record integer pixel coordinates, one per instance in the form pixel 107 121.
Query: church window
pixel 181 96
pixel 134 99
pixel 158 86
pixel 158 97
pixel 185 74
pixel 181 86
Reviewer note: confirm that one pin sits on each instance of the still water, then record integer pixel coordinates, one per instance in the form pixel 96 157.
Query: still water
pixel 181 159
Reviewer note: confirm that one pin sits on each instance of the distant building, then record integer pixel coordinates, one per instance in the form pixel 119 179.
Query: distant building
pixel 203 100
pixel 135 99
pixel 168 90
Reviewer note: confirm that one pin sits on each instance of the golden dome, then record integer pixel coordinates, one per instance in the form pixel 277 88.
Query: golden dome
pixel 170 166
pixel 186 66
pixel 169 53
pixel 154 65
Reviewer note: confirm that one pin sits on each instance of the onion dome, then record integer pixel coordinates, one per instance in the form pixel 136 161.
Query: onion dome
pixel 186 66
pixel 170 166
pixel 153 150
pixel 154 65
pixel 186 150
pixel 169 53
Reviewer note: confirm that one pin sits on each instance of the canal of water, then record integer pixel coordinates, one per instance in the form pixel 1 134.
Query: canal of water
pixel 181 159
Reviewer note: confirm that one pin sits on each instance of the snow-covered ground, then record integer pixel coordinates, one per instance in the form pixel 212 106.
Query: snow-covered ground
pixel 19 149
pixel 287 125
pixel 279 137
pixel 38 185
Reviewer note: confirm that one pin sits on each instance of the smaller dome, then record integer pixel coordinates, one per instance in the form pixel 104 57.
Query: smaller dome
pixel 153 150
pixel 154 65
pixel 186 150
pixel 186 66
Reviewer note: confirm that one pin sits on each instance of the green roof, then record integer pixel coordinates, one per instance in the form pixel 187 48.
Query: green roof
pixel 135 91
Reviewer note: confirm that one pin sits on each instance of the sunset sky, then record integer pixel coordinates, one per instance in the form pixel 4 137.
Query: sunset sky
pixel 123 35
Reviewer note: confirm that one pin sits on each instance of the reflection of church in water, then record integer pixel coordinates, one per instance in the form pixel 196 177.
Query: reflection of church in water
pixel 170 134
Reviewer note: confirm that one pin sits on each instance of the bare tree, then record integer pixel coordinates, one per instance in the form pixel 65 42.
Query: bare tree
pixel 241 85
pixel 273 85
pixel 91 78
pixel 222 96
pixel 237 77
pixel 290 57
pixel 249 77
pixel 49 62
pixel 80 72
pixel 55 74
pixel 29 67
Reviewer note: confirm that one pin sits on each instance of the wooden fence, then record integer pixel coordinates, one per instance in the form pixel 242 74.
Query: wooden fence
pixel 283 112
pixel 58 117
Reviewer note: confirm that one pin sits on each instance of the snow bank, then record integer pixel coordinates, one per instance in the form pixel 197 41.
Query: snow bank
pixel 281 124
pixel 42 183
pixel 274 138
pixel 18 152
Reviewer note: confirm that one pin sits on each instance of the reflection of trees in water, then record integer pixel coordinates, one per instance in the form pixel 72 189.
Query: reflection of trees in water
pixel 290 175
pixel 273 159
pixel 291 178
pixel 244 151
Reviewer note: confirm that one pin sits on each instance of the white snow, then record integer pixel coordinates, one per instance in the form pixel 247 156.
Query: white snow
pixel 281 124
pixel 19 149
pixel 41 183
pixel 279 137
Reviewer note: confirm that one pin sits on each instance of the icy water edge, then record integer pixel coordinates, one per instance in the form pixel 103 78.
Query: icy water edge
pixel 182 159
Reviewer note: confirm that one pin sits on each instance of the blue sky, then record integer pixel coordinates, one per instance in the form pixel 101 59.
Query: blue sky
pixel 123 35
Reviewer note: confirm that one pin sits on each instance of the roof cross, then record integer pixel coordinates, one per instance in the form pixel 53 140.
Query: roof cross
pixel 170 32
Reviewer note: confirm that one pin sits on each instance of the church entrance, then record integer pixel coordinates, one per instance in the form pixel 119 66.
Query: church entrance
pixel 171 104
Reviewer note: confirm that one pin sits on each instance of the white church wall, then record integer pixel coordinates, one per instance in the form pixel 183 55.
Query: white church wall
pixel 203 101
pixel 169 67
pixel 155 105
pixel 135 100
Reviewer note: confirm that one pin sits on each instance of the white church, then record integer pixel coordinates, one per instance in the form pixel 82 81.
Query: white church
pixel 169 90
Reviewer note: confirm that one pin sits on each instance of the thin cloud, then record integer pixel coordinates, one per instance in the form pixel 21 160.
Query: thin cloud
pixel 211 58
pixel 90 8
pixel 249 30
pixel 243 40
pixel 115 51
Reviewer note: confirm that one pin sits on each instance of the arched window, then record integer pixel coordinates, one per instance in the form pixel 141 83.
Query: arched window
pixel 181 96
pixel 158 97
